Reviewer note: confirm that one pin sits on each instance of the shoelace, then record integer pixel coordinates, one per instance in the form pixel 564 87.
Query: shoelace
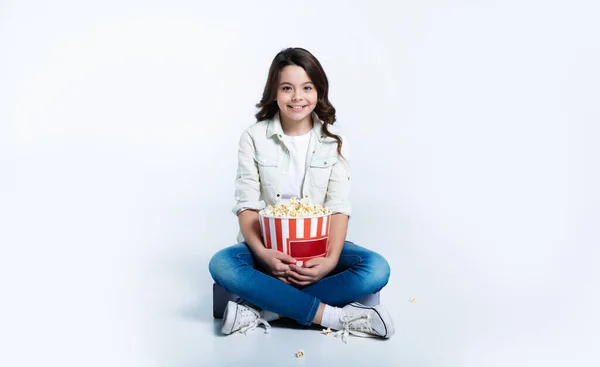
pixel 250 319
pixel 360 323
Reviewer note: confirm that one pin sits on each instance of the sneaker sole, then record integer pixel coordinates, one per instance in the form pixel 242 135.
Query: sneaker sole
pixel 227 327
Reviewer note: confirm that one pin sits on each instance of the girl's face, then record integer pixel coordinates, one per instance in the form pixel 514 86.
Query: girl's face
pixel 296 96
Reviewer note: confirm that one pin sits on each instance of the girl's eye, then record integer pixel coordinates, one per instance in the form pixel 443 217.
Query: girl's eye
pixel 308 87
pixel 286 88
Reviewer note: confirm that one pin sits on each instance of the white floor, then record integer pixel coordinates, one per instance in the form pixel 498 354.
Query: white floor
pixel 444 326
pixel 95 314
pixel 187 335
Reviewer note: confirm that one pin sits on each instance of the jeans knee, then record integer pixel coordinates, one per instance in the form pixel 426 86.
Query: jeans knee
pixel 219 266
pixel 214 265
pixel 229 267
pixel 379 271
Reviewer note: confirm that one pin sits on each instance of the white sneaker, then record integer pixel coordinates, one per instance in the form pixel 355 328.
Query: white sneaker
pixel 241 318
pixel 361 320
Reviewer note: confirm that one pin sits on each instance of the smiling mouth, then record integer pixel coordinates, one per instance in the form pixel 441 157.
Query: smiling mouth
pixel 297 108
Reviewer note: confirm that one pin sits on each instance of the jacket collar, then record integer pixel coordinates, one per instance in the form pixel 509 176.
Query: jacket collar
pixel 274 127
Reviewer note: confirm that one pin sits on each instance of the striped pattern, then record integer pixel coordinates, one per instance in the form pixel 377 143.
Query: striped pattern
pixel 283 234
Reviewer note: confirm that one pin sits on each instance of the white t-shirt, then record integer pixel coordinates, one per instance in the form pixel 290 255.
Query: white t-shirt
pixel 298 150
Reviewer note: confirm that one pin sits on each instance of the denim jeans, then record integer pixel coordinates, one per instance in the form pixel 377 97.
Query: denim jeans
pixel 359 272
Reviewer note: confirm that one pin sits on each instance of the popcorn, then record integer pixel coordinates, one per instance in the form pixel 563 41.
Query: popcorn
pixel 412 300
pixel 295 208
pixel 300 354
pixel 327 331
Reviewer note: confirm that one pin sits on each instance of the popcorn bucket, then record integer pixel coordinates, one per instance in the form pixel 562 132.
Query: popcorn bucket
pixel 303 238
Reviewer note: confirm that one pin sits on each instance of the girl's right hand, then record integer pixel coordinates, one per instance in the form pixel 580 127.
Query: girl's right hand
pixel 276 263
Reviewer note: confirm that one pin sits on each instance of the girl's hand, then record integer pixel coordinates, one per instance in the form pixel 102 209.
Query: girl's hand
pixel 276 263
pixel 312 271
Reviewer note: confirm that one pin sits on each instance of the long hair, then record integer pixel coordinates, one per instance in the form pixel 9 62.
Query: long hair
pixel 299 57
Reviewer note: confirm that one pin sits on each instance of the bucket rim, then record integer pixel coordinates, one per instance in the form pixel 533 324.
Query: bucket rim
pixel 288 217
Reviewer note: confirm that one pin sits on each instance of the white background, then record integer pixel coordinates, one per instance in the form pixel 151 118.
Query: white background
pixel 474 128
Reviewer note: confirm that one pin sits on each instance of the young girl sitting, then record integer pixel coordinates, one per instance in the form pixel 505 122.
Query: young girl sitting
pixel 294 151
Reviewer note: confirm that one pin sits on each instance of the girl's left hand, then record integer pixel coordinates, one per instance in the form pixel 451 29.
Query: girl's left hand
pixel 311 272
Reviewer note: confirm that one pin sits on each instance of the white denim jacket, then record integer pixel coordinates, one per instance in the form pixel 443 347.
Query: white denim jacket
pixel 263 160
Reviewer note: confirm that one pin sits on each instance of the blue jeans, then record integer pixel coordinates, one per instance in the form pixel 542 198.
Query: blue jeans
pixel 359 272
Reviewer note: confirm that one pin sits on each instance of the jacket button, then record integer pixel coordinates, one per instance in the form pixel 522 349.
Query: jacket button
pixel 278 195
pixel 325 162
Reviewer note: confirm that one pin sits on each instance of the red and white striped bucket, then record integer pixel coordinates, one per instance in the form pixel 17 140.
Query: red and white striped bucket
pixel 303 238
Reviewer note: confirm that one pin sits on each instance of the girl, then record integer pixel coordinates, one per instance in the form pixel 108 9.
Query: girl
pixel 293 151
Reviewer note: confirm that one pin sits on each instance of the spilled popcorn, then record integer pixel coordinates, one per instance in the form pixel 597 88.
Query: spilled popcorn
pixel 295 208
pixel 412 300
pixel 327 331
pixel 300 354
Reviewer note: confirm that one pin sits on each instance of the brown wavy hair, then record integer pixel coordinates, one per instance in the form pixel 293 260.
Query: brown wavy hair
pixel 299 57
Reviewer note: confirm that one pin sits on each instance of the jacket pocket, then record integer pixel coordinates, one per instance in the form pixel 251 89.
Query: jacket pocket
pixel 320 170
pixel 268 167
